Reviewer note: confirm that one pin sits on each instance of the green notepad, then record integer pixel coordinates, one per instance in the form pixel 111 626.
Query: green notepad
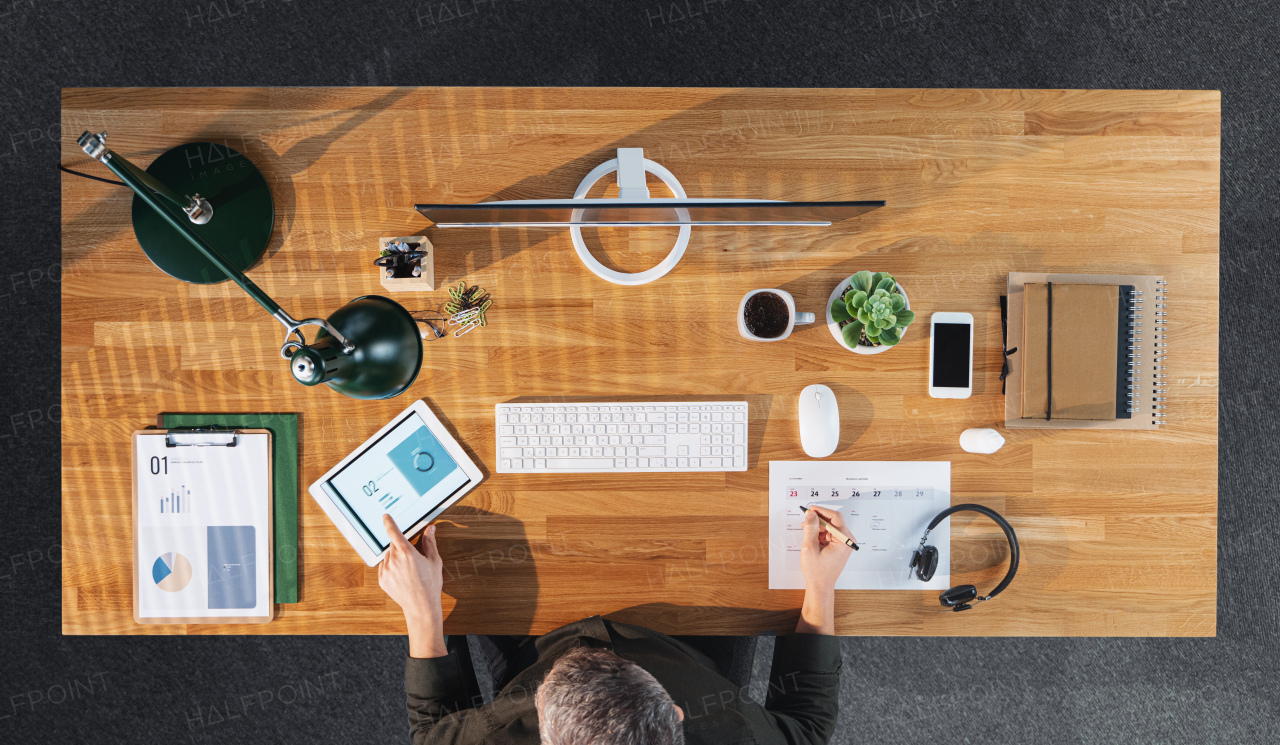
pixel 284 431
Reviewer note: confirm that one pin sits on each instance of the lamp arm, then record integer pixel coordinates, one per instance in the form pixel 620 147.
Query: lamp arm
pixel 96 148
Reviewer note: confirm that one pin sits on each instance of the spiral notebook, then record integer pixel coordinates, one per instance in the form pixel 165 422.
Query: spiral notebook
pixel 1090 351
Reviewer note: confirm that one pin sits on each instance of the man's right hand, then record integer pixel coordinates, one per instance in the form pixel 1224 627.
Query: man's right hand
pixel 822 556
pixel 415 579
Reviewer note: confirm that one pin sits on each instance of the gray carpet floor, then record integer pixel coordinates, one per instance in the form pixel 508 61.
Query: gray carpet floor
pixel 349 689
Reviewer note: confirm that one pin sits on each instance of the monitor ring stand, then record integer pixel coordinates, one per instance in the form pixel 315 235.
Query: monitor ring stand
pixel 631 165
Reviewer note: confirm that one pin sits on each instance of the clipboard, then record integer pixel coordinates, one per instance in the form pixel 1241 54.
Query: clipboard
pixel 202 526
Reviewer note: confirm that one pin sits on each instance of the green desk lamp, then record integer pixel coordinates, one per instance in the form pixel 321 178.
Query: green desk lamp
pixel 369 348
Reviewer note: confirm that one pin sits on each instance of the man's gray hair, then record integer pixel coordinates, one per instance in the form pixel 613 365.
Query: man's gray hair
pixel 594 697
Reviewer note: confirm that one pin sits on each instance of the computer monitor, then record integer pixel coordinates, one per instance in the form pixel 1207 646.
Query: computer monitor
pixel 599 213
pixel 634 207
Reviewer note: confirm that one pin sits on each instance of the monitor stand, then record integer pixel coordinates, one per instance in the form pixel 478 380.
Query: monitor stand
pixel 631 166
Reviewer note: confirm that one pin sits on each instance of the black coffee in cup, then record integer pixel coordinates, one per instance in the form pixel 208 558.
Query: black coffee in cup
pixel 766 315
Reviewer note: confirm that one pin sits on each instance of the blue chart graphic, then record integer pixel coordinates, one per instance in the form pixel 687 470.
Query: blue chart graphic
pixel 178 501
pixel 171 572
pixel 233 574
pixel 422 460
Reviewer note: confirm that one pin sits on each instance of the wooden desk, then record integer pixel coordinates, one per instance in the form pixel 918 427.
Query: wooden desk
pixel 1118 528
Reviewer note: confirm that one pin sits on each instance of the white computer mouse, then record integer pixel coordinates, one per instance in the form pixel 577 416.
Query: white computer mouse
pixel 819 421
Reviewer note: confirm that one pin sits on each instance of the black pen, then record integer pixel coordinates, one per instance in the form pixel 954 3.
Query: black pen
pixel 833 530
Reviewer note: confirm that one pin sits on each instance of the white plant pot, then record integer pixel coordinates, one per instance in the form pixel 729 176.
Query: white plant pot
pixel 834 326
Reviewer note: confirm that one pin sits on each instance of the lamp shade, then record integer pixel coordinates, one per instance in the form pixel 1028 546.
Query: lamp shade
pixel 386 358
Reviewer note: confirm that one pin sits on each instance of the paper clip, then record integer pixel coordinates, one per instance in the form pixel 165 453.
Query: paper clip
pixel 474 323
pixel 467 307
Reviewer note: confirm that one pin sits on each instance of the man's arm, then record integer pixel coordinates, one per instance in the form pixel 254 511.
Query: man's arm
pixel 804 683
pixel 435 680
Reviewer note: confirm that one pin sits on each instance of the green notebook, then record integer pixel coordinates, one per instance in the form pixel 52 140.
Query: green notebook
pixel 284 435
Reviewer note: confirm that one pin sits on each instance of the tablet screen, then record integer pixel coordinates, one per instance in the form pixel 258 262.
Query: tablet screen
pixel 406 473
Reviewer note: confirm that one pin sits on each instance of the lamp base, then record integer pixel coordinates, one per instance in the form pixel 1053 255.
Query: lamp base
pixel 243 211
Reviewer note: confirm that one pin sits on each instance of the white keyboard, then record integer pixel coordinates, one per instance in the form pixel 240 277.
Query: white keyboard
pixel 622 437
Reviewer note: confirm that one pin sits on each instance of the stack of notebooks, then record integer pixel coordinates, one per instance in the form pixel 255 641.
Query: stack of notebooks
pixel 1083 359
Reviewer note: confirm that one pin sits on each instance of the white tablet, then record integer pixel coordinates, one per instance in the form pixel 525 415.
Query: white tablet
pixel 412 469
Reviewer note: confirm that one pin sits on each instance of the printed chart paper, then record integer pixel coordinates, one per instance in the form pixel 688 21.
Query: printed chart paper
pixel 885 504
pixel 203 534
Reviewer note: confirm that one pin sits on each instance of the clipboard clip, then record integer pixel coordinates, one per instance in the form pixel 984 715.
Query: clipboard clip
pixel 202 437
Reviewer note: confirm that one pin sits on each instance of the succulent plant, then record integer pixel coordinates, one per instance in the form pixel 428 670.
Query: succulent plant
pixel 873 306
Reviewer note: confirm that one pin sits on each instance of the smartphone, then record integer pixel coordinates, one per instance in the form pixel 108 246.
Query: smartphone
pixel 951 355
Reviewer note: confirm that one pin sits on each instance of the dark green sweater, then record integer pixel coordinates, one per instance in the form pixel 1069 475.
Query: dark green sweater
pixel 801 704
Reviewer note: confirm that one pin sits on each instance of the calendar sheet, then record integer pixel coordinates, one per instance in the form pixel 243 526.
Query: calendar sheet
pixel 885 504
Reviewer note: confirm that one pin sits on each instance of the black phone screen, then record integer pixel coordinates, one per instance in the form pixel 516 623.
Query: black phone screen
pixel 951 355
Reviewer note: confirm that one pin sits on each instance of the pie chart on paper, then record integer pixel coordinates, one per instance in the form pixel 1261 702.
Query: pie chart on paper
pixel 171 572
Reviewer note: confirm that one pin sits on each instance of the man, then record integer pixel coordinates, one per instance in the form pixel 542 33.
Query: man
pixel 599 682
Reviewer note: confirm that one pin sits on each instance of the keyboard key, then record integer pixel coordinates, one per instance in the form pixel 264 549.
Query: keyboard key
pixel 644 463
pixel 601 463
pixel 507 440
pixel 506 463
pixel 710 462
pixel 511 452
pixel 655 440
pixel 682 450
pixel 647 452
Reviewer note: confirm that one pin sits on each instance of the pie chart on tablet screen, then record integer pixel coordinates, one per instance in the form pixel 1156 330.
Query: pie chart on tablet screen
pixel 171 572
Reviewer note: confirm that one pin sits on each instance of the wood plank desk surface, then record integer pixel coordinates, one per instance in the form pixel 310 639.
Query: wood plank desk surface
pixel 1118 528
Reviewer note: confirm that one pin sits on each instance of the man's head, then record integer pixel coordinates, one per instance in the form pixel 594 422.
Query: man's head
pixel 594 697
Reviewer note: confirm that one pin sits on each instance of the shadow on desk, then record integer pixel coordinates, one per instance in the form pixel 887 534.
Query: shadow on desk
pixel 489 570
pixel 279 169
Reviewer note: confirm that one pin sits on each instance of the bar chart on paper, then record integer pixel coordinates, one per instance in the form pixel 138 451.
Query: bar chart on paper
pixel 886 506
pixel 177 501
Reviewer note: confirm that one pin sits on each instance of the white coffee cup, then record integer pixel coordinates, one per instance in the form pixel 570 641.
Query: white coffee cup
pixel 793 318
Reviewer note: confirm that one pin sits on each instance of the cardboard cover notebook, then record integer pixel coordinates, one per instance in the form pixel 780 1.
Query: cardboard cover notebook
pixel 1070 351
pixel 1083 358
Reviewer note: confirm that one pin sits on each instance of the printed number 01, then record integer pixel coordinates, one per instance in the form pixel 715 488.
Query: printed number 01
pixel 157 463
